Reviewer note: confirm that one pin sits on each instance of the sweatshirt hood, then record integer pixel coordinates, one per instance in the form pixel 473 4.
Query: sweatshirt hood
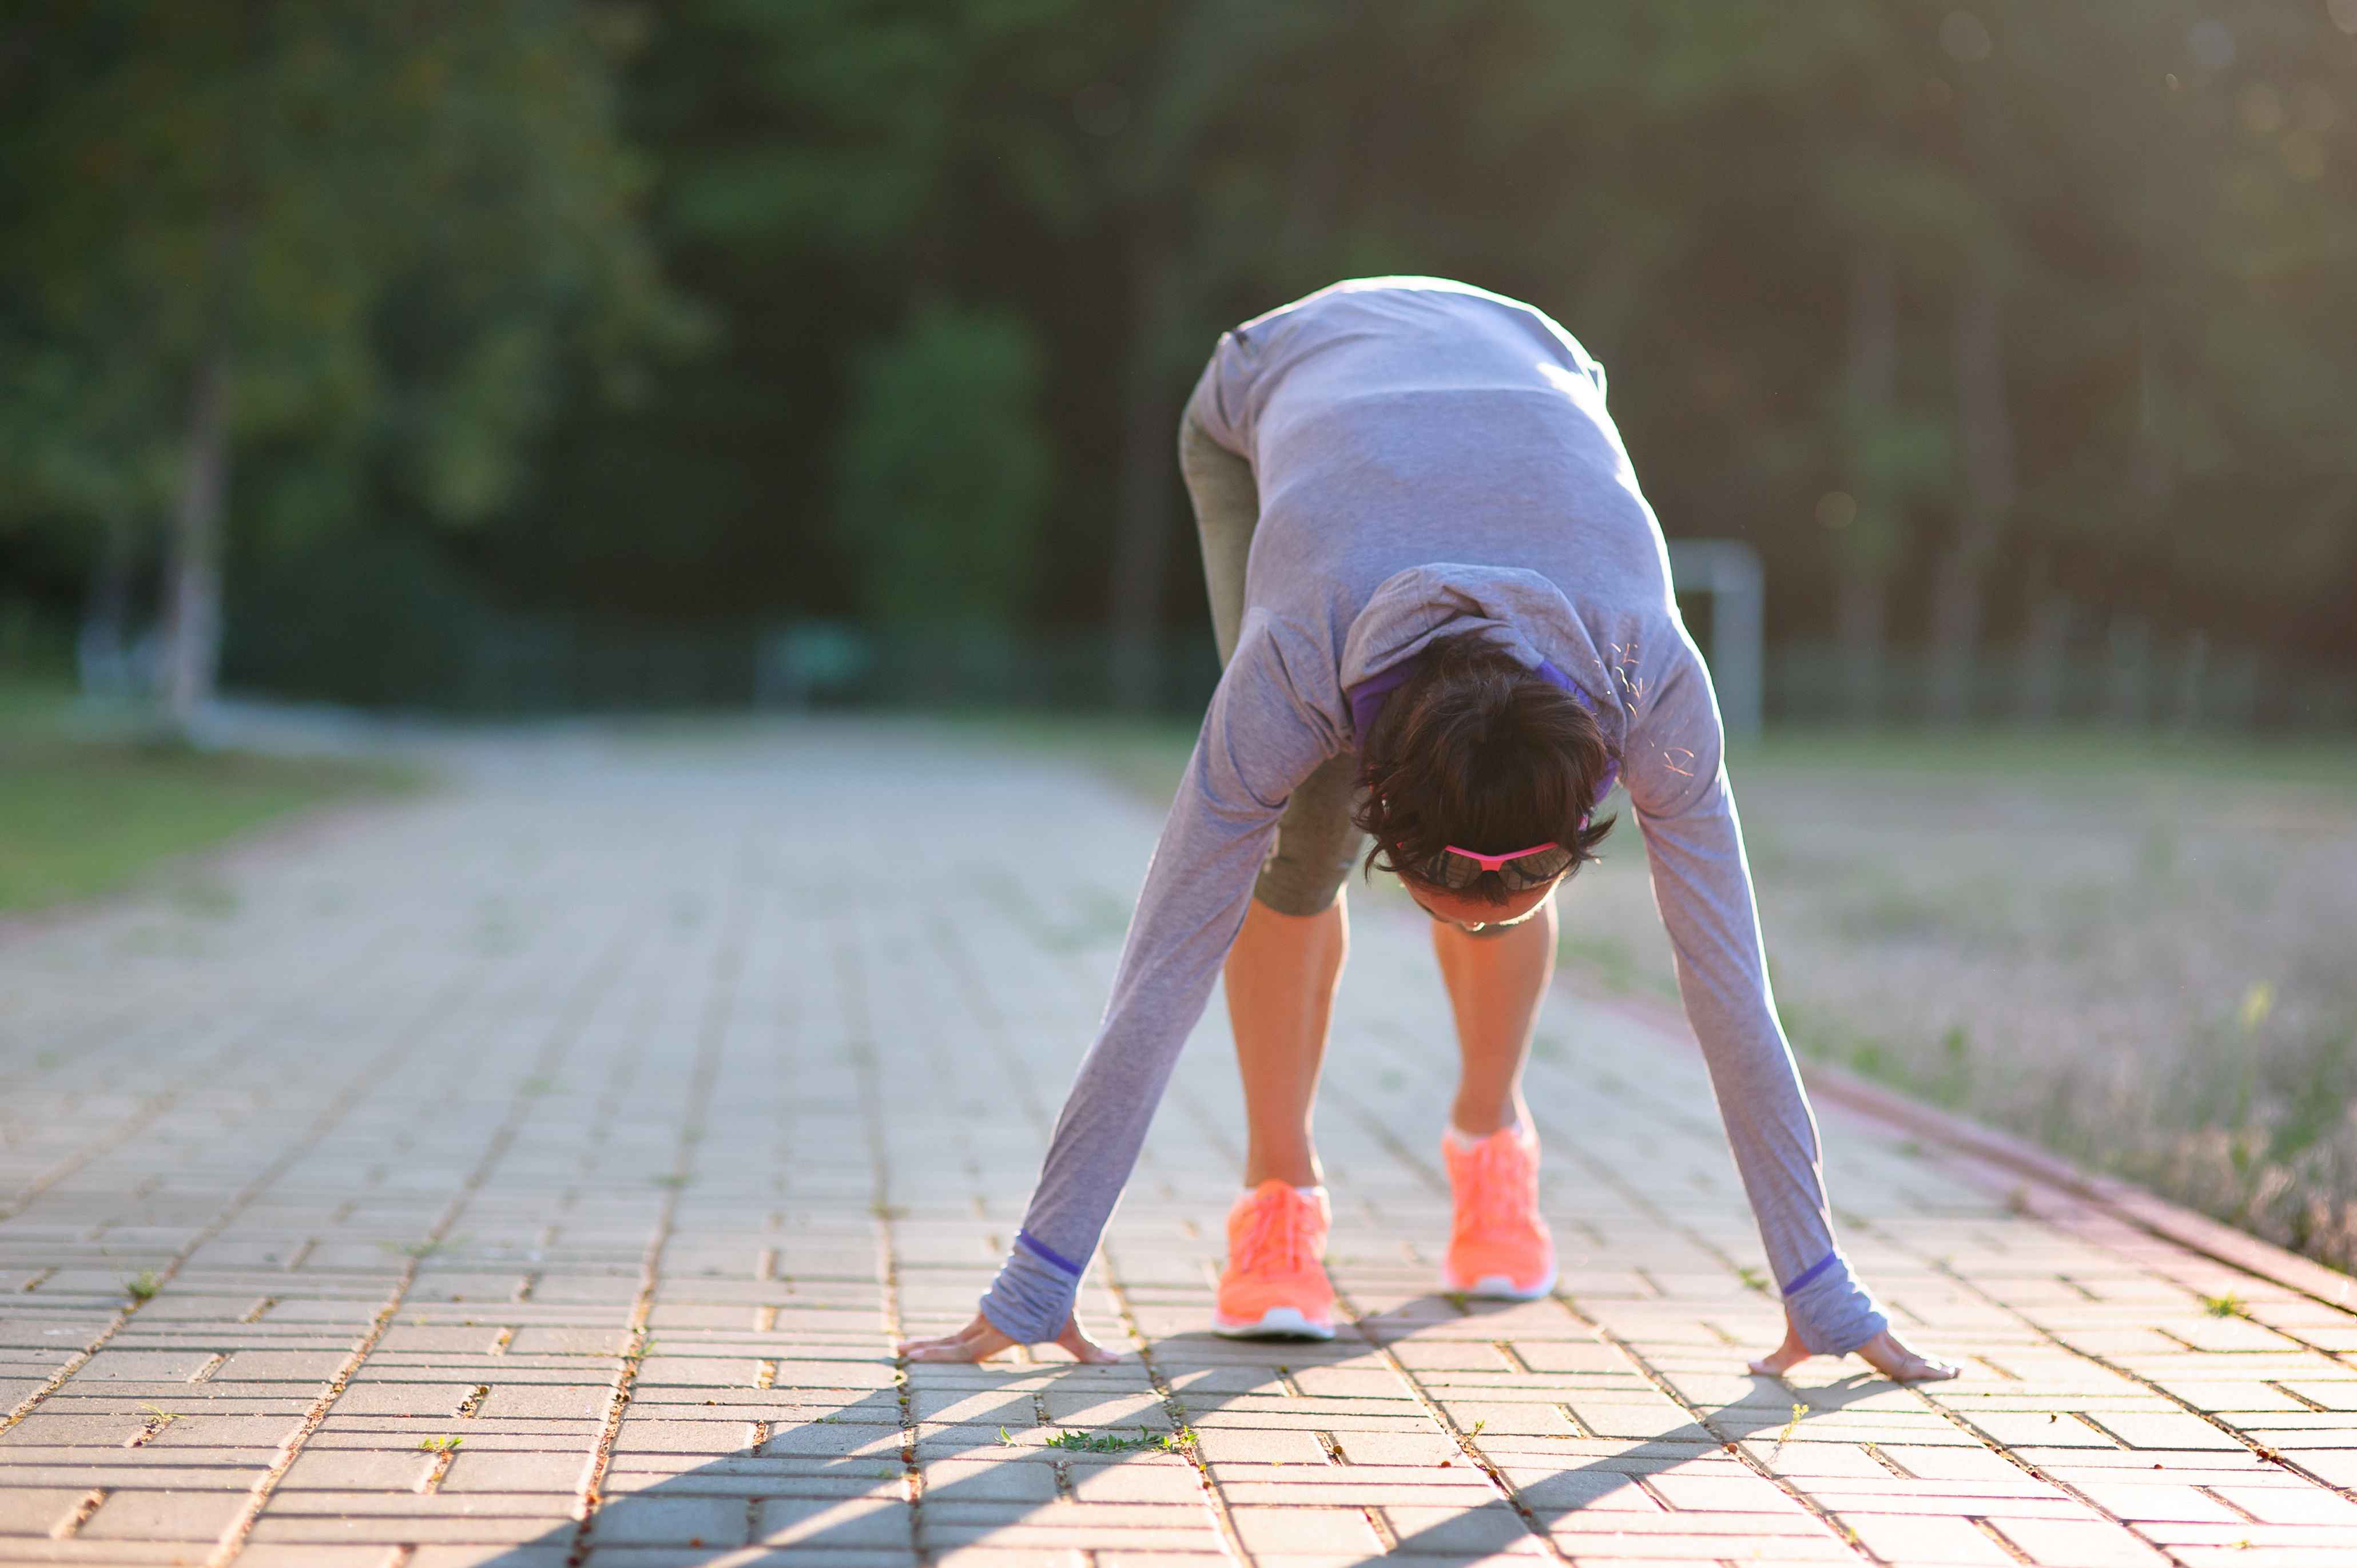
pixel 1516 610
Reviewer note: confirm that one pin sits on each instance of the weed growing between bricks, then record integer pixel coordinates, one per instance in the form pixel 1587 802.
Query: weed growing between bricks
pixel 1075 1442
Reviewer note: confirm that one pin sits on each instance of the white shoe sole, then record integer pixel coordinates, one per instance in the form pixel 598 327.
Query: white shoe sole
pixel 1498 1287
pixel 1277 1323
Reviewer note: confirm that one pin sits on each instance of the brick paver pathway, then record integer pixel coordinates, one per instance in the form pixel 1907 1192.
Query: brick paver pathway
pixel 539 1174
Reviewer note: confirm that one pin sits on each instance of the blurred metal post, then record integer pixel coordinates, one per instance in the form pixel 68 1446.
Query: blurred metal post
pixel 1729 571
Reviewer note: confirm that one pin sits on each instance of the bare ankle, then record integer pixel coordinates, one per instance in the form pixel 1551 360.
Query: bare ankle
pixel 1478 1122
pixel 1294 1170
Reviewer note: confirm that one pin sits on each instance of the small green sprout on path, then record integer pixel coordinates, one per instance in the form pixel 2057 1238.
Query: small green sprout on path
pixel 441 1445
pixel 1005 1440
pixel 144 1286
pixel 1752 1277
pixel 1100 1442
pixel 1478 1425
pixel 1113 1442
pixel 158 1418
pixel 2226 1305
pixel 1457 1298
pixel 1786 1436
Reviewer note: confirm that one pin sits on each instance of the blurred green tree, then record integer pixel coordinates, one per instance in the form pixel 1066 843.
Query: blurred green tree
pixel 889 131
pixel 944 471
pixel 1961 310
pixel 356 235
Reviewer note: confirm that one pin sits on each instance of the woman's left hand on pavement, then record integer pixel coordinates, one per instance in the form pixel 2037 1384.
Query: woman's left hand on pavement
pixel 1885 1353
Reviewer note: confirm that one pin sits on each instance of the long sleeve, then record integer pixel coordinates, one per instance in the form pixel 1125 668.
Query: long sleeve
pixel 1677 780
pixel 1258 742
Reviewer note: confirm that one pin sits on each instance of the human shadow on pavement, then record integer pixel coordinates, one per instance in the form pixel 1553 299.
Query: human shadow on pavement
pixel 837 1478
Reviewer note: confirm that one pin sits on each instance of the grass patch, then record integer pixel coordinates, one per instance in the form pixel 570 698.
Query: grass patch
pixel 1145 758
pixel 1072 1442
pixel 2131 949
pixel 2089 754
pixel 88 805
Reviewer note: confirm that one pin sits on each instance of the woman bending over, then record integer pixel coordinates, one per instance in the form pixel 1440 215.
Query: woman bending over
pixel 1446 616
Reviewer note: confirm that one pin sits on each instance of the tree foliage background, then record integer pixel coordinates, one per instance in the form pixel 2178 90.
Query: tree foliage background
pixel 1990 325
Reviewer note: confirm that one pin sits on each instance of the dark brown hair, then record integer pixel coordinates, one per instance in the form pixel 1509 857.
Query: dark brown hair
pixel 1476 750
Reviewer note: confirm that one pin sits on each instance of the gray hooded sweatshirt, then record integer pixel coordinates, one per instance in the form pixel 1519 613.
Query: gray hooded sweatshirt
pixel 1434 459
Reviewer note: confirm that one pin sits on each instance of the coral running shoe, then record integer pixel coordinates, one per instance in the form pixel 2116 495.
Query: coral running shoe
pixel 1499 1248
pixel 1274 1285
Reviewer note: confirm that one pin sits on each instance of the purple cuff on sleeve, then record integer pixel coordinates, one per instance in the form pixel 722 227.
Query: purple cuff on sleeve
pixel 1025 1237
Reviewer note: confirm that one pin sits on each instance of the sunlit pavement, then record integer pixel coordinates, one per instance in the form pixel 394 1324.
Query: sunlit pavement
pixel 539 1173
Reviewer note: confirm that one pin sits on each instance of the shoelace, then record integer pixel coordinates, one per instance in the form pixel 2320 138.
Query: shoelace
pixel 1500 1179
pixel 1270 1241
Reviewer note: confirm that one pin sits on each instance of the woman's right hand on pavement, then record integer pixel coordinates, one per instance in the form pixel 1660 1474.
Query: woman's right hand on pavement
pixel 979 1341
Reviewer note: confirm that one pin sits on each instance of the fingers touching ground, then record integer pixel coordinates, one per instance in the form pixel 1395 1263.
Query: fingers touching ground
pixel 1080 1348
pixel 1885 1353
pixel 1784 1358
pixel 979 1341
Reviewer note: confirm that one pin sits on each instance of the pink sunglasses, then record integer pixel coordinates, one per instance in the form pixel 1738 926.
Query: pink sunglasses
pixel 1450 872
pixel 1498 862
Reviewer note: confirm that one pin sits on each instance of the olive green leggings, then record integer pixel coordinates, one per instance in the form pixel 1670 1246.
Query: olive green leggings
pixel 1317 843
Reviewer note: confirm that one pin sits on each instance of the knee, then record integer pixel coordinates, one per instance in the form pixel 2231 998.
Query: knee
pixel 1292 889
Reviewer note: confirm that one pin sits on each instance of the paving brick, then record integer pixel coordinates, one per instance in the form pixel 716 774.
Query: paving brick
pixel 1427 1447
pixel 579 1401
pixel 655 1521
pixel 162 1516
pixel 481 1471
pixel 1248 1445
pixel 327 1469
pixel 2288 1505
pixel 34 1510
pixel 805 1525
pixel 2157 1502
pixel 2172 1430
pixel 2079 1543
pixel 1926 1540
pixel 1283 1529
pixel 1463 1530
